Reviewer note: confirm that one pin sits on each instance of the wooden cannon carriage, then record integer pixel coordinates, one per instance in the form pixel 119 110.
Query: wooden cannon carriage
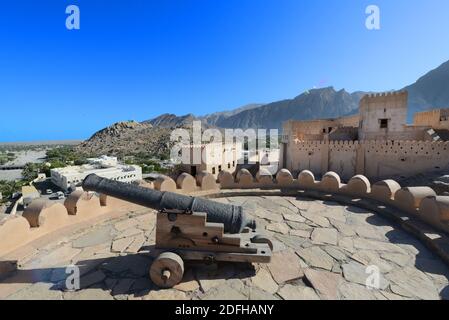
pixel 190 229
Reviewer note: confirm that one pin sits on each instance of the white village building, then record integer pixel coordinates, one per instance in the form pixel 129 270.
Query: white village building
pixel 106 167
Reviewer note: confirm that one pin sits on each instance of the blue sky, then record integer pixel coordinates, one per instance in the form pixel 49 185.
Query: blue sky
pixel 137 59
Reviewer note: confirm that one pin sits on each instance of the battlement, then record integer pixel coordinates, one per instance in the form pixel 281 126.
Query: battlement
pixel 430 144
pixel 44 216
pixel 376 159
pixel 53 233
pixel 389 94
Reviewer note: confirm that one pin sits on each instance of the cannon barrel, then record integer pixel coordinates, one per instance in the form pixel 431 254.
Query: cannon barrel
pixel 232 217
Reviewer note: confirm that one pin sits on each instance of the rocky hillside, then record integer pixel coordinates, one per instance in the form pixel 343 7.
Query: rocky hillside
pixel 125 138
pixel 430 91
pixel 219 119
pixel 171 121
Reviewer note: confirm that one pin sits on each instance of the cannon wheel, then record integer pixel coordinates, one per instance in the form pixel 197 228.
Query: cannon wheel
pixel 262 239
pixel 167 270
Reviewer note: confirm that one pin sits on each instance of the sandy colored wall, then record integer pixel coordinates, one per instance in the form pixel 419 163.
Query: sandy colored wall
pixel 375 159
pixel 428 118
pixel 436 119
pixel 231 156
pixel 404 158
pixel 342 159
pixel 306 130
pixel 391 106
pixel 306 155
pixel 350 121
pixel 317 129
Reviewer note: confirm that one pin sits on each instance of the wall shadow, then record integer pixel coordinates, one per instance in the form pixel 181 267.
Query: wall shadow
pixel 425 260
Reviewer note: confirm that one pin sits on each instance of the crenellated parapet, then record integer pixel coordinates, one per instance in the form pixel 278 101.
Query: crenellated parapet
pixel 186 182
pixel 14 230
pixel 82 203
pixel 386 157
pixel 43 217
pixel 420 202
pixel 359 186
pixel 331 182
pixel 46 215
pixel 264 177
pixel 384 96
pixel 416 145
pixel 164 183
pixel 284 179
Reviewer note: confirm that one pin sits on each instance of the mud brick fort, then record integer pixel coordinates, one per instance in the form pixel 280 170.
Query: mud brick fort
pixel 377 142
pixel 331 212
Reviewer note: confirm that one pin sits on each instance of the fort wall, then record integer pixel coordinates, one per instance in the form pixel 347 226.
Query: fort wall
pixel 436 119
pixel 374 158
pixel 405 205
pixel 382 144
pixel 318 129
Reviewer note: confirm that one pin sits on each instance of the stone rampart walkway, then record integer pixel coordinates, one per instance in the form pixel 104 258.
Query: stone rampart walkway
pixel 322 251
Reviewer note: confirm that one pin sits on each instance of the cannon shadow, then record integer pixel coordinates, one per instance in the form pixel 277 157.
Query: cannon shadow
pixel 124 275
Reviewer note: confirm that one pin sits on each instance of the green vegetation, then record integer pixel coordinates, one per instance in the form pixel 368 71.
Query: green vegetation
pixel 31 170
pixel 65 155
pixel 148 163
pixel 57 157
pixel 29 173
pixel 61 157
pixel 8 188
pixel 6 157
pixel 164 156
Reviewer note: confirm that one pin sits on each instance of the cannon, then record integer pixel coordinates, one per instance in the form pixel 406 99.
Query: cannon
pixel 190 229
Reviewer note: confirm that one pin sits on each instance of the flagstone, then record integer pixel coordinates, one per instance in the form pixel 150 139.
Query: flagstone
pixel 325 283
pixel 290 292
pixel 324 236
pixel 285 266
pixel 264 281
pixel 316 257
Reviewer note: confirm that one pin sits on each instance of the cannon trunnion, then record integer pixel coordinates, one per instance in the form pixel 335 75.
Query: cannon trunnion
pixel 189 228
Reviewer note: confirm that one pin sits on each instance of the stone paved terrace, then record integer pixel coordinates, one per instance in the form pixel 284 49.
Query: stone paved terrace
pixel 321 249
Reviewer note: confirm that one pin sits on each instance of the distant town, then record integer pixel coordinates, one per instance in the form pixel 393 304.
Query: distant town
pixel 54 170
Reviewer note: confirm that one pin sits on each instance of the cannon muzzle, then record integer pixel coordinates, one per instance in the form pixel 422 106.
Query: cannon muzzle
pixel 232 217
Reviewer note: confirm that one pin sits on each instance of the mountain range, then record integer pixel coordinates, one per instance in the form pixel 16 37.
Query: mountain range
pixel 431 91
pixel 428 92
